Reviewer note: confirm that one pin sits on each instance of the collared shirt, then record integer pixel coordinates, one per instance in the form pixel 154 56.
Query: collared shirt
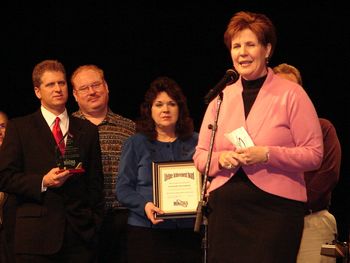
pixel 50 119
pixel 113 131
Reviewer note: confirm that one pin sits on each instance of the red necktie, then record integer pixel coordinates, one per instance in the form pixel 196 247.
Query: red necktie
pixel 57 133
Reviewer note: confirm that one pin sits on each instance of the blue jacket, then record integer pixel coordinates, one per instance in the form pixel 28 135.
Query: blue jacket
pixel 134 184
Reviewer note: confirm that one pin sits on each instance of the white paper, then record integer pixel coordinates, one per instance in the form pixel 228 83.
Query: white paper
pixel 240 138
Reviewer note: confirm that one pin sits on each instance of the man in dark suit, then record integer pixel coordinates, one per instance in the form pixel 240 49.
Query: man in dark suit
pixel 58 211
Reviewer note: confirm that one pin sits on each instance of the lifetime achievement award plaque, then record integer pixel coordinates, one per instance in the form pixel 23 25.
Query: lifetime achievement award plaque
pixel 176 188
pixel 71 159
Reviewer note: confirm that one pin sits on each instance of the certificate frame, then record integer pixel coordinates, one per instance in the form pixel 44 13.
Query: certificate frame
pixel 176 188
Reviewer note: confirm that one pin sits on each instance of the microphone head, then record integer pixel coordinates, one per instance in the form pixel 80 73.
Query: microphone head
pixel 232 75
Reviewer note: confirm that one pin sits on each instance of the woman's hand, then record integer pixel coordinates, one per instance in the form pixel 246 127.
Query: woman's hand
pixel 231 159
pixel 254 154
pixel 151 210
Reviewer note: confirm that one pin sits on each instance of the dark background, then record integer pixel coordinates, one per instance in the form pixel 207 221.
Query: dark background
pixel 136 41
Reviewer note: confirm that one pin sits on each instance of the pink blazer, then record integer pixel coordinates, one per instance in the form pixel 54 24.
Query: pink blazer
pixel 282 118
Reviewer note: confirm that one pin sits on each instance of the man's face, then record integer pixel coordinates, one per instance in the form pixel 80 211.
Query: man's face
pixel 53 91
pixel 90 91
pixel 3 123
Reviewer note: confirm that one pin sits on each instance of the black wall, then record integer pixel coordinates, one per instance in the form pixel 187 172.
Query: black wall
pixel 134 42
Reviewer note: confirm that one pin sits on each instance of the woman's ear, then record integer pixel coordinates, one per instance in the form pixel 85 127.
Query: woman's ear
pixel 268 51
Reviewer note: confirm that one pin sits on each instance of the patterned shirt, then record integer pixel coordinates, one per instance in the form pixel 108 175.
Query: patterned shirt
pixel 113 131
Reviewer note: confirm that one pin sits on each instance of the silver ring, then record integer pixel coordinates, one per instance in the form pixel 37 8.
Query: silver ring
pixel 230 166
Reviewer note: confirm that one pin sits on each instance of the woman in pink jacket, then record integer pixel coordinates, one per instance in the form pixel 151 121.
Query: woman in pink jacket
pixel 268 135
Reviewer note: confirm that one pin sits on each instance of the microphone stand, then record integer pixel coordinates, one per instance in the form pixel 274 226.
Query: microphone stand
pixel 201 217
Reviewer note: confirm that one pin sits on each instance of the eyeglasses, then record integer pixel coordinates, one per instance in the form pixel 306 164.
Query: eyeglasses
pixel 85 89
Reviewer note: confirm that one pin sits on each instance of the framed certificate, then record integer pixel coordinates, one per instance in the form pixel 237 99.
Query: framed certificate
pixel 176 188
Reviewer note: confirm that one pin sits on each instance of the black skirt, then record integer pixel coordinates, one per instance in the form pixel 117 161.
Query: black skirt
pixel 248 225
pixel 152 245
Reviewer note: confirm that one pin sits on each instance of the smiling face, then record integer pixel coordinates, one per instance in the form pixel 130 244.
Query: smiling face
pixel 165 113
pixel 90 91
pixel 53 91
pixel 248 55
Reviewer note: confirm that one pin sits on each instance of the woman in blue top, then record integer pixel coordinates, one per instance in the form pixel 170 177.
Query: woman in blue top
pixel 164 133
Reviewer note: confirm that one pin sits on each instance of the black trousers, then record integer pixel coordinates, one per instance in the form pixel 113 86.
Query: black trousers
pixel 73 249
pixel 7 254
pixel 150 245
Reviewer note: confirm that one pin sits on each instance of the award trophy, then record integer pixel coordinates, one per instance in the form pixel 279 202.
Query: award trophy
pixel 71 159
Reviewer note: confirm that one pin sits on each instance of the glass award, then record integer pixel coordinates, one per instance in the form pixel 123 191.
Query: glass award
pixel 71 159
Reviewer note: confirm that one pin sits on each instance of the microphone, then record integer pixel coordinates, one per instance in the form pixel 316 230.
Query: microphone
pixel 231 76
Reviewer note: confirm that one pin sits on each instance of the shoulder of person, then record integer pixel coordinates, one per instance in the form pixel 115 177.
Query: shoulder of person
pixel 138 141
pixel 25 119
pixel 325 122
pixel 286 87
pixel 82 122
pixel 120 117
pixel 77 114
pixel 137 138
pixel 193 139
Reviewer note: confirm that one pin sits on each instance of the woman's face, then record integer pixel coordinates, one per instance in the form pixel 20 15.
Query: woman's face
pixel 165 112
pixel 248 55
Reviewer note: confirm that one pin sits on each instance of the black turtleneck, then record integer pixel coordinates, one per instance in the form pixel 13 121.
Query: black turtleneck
pixel 250 92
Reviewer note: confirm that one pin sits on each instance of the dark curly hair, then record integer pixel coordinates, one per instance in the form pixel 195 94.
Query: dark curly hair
pixel 145 124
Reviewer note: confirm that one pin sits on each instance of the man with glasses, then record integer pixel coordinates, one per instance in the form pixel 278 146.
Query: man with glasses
pixel 91 92
pixel 58 211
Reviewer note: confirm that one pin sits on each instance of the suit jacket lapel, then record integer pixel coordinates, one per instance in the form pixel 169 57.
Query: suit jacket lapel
pixel 75 129
pixel 42 130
